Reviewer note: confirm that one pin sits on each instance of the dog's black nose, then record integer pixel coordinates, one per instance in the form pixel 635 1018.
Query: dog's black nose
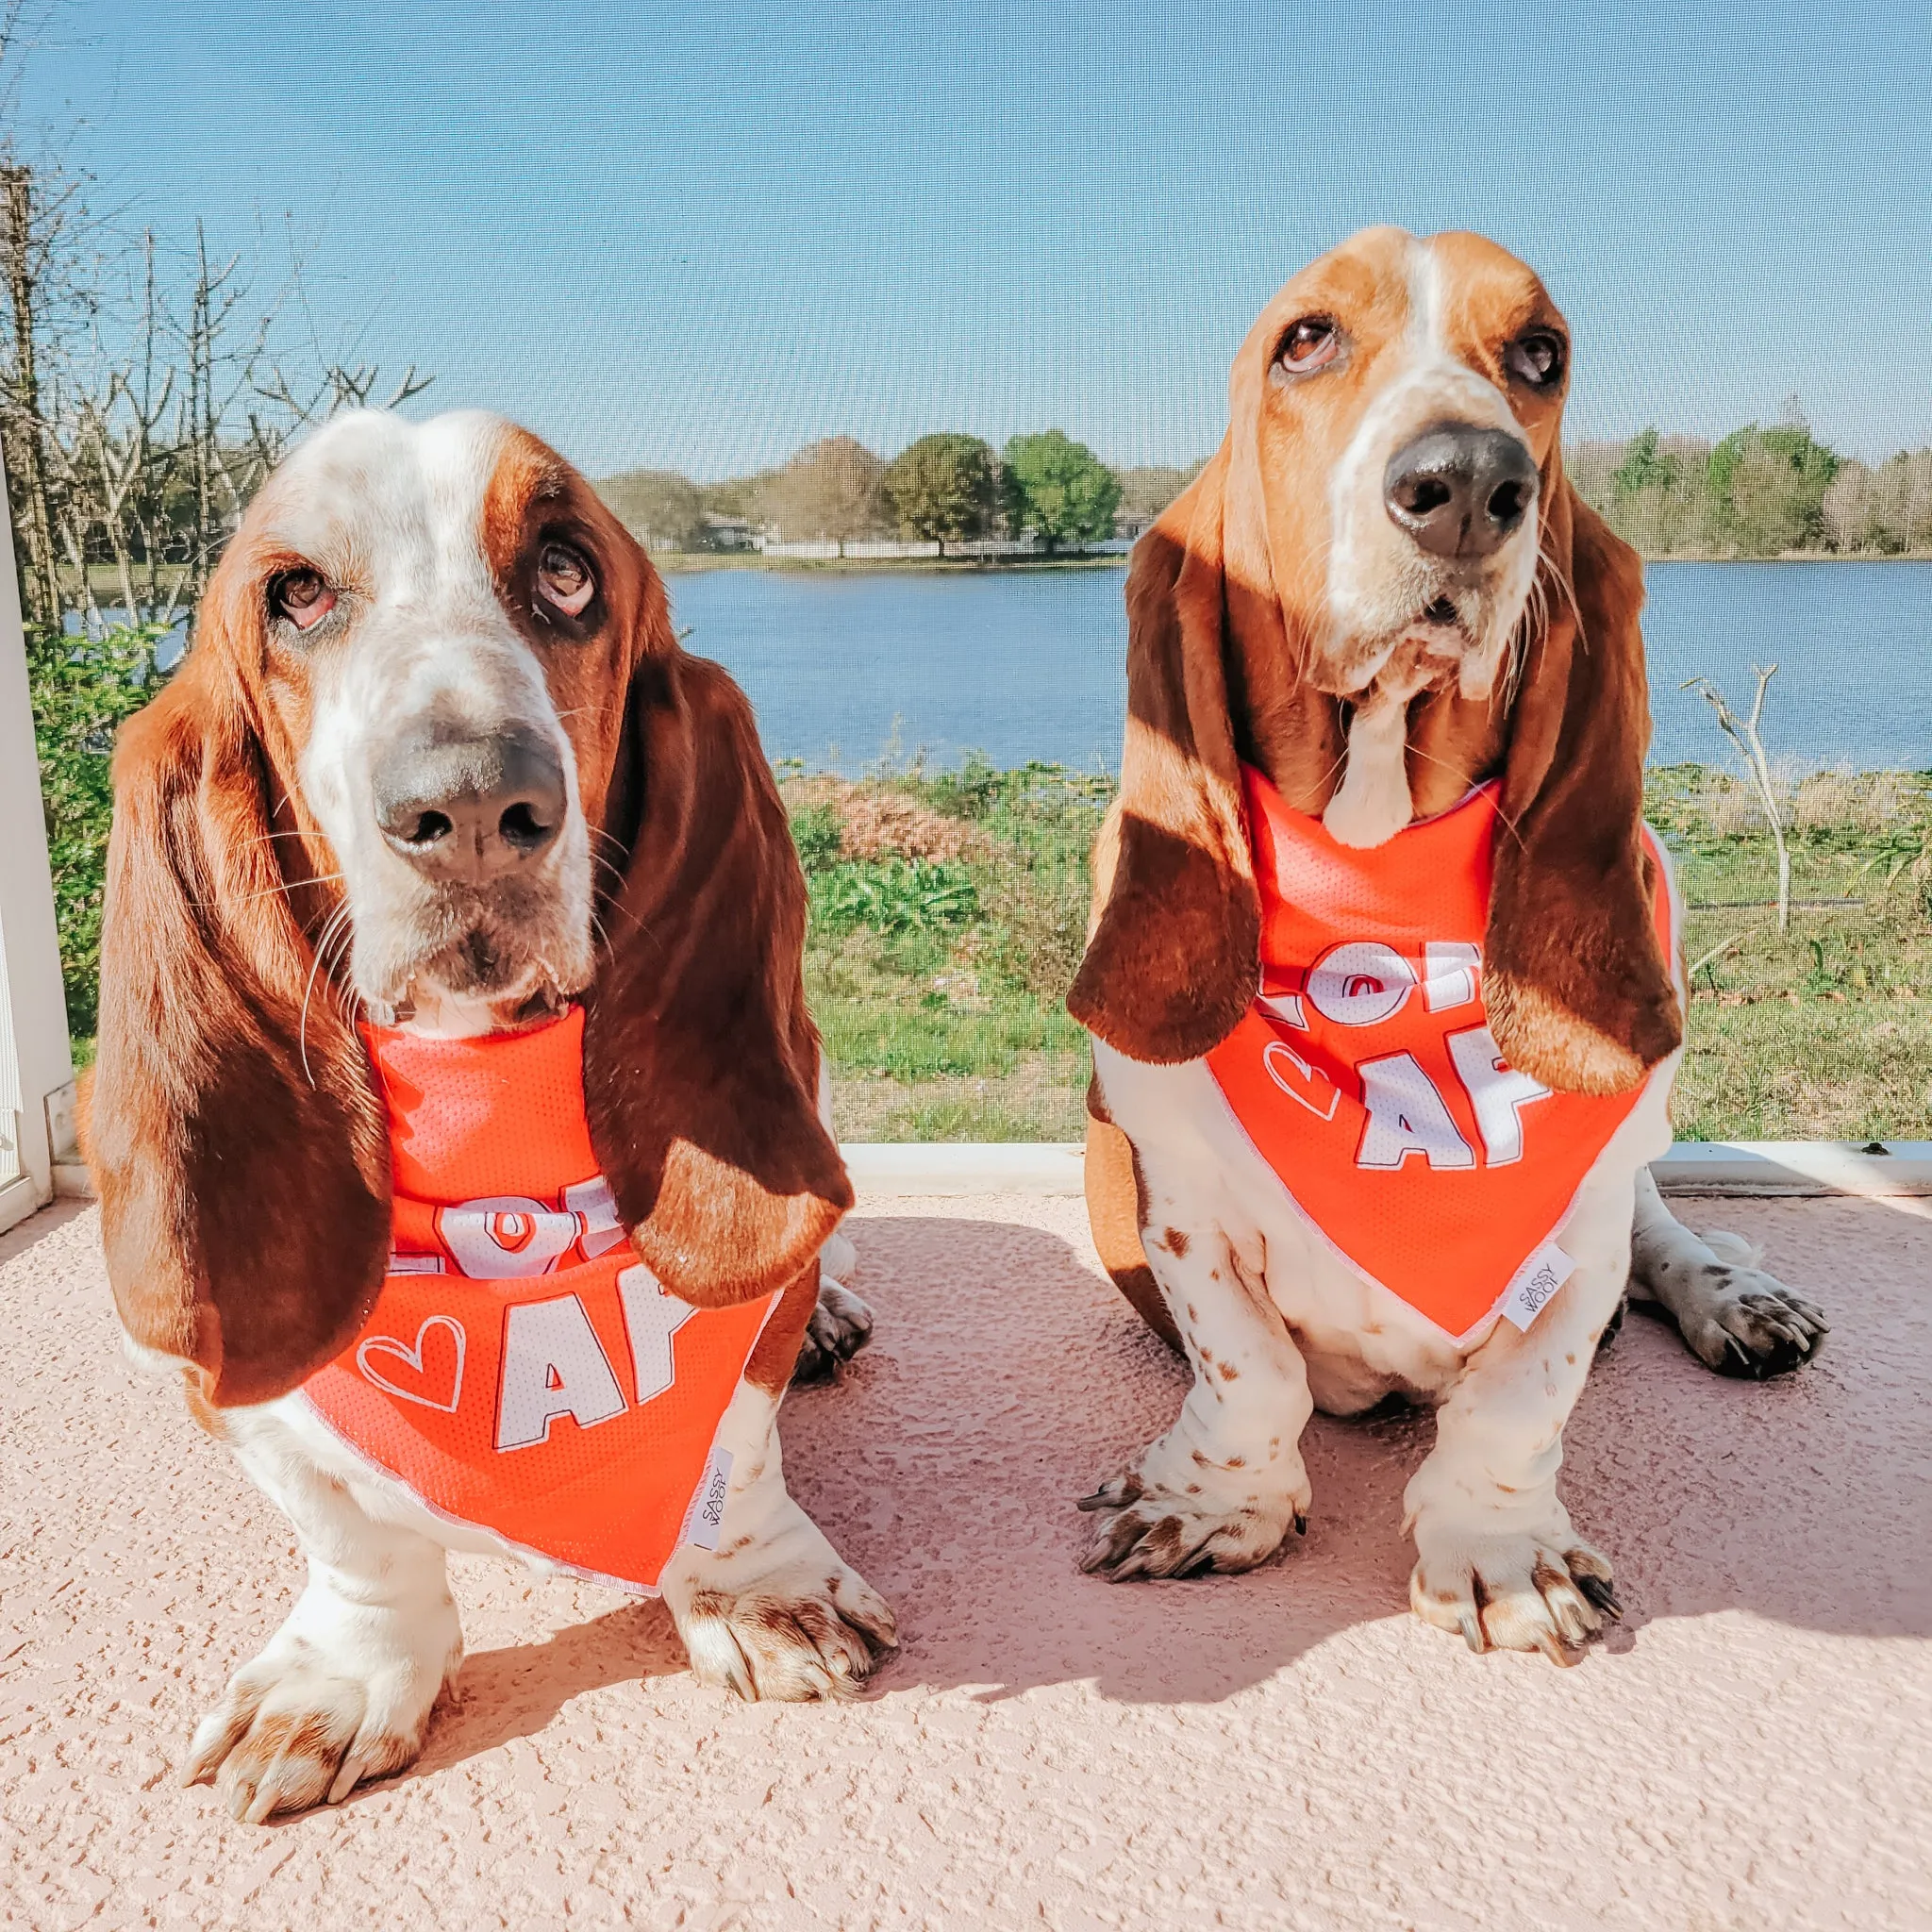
pixel 467 807
pixel 1460 490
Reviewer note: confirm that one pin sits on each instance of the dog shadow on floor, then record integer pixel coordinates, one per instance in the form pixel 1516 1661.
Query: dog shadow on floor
pixel 1007 1377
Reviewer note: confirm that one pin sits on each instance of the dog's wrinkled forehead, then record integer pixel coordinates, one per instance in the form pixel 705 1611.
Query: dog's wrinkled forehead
pixel 391 510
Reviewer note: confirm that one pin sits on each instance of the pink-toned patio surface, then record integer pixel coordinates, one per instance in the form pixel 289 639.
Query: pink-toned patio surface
pixel 1753 1746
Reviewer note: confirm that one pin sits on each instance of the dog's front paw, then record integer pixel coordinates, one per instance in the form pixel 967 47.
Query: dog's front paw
pixel 1157 1531
pixel 841 1326
pixel 341 1695
pixel 1514 1591
pixel 796 1634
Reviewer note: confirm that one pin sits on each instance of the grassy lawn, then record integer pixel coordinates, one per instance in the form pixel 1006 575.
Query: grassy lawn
pixel 947 917
pixel 1825 1032
pixel 948 914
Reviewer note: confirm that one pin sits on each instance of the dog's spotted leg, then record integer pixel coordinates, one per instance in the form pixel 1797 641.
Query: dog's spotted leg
pixel 1734 1318
pixel 773 1611
pixel 344 1690
pixel 1222 1489
pixel 840 1324
pixel 1497 1559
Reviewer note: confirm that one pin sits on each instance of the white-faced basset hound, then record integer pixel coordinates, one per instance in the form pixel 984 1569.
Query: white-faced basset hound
pixel 1380 976
pixel 454 929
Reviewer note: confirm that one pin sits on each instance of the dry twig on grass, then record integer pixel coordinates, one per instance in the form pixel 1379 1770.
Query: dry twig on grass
pixel 1742 732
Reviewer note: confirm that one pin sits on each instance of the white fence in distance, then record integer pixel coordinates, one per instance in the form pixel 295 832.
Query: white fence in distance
pixel 1028 545
pixel 890 549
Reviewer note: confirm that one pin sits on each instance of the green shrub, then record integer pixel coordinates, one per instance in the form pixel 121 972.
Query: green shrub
pixel 893 895
pixel 973 791
pixel 1040 932
pixel 81 689
pixel 815 832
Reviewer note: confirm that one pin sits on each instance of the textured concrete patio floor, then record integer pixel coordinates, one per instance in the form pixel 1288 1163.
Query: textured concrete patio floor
pixel 1289 1748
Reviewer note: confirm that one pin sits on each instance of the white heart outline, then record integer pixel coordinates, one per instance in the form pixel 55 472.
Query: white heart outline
pixel 1276 1046
pixel 414 1357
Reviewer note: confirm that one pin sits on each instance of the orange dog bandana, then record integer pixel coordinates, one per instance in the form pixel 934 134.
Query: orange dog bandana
pixel 522 1371
pixel 1365 1076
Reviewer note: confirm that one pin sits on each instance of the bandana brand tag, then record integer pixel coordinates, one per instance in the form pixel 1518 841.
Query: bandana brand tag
pixel 1537 1280
pixel 707 1516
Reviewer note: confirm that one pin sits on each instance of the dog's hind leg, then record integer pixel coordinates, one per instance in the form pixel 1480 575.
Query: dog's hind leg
pixel 1734 1318
pixel 840 1324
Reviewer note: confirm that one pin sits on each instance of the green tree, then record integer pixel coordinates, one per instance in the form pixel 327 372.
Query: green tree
pixel 1148 490
pixel 945 486
pixel 1654 489
pixel 660 508
pixel 1643 466
pixel 1059 488
pixel 828 489
pixel 738 496
pixel 1768 487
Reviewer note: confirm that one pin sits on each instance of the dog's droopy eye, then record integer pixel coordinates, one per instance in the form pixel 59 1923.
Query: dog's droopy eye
pixel 1313 342
pixel 301 596
pixel 1536 358
pixel 564 578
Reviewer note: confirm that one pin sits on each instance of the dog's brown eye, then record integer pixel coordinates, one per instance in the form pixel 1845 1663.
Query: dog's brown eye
pixel 564 578
pixel 1311 343
pixel 1536 358
pixel 302 597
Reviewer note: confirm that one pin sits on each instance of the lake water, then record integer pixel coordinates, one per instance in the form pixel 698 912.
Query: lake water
pixel 1029 664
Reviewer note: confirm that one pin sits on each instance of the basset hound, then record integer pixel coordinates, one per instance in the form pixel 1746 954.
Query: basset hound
pixel 454 929
pixel 1380 974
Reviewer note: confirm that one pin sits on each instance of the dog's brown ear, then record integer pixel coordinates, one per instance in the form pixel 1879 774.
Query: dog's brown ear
pixel 1175 953
pixel 1578 990
pixel 700 1060
pixel 237 1148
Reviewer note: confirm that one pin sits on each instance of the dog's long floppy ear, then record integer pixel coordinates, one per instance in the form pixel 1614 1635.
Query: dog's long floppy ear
pixel 1578 990
pixel 1174 954
pixel 700 1060
pixel 238 1151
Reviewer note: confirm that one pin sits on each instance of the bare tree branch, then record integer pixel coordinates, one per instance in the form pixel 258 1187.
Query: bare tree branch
pixel 145 392
pixel 1743 733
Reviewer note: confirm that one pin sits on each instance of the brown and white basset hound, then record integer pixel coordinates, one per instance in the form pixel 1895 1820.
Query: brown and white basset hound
pixel 436 755
pixel 1381 592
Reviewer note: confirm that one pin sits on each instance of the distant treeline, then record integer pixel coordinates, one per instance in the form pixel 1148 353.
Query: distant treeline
pixel 946 486
pixel 1759 492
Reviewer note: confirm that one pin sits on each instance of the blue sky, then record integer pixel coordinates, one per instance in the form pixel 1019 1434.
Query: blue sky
pixel 699 235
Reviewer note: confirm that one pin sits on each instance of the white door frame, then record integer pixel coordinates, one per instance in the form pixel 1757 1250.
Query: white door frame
pixel 36 1064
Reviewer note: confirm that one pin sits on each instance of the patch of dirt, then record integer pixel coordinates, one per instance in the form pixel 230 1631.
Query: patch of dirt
pixel 875 821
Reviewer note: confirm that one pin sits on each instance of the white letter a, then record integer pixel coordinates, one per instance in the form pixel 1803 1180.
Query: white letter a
pixel 553 1365
pixel 1407 1116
